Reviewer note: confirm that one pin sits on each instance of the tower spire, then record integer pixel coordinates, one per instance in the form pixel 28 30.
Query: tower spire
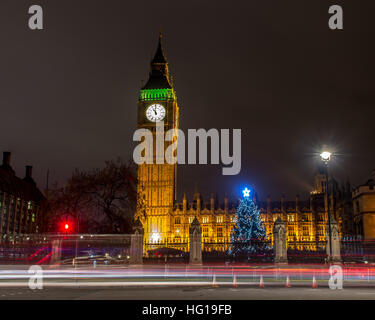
pixel 159 57
pixel 159 73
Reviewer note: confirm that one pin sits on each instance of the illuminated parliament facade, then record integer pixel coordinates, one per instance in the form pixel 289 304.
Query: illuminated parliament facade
pixel 166 222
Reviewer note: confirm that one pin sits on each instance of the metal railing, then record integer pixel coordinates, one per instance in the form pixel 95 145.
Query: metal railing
pixel 66 248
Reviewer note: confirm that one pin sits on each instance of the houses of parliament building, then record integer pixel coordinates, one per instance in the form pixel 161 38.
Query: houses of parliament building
pixel 166 222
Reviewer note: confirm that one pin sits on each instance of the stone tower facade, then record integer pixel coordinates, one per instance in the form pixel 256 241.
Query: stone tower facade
pixel 157 105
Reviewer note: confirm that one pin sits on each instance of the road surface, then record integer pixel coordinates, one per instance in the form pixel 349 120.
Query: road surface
pixel 168 293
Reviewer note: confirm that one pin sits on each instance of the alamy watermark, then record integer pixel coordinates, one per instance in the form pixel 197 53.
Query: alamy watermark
pixel 36 278
pixel 335 281
pixel 175 142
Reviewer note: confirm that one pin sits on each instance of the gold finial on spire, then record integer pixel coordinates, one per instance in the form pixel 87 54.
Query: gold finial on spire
pixel 160 32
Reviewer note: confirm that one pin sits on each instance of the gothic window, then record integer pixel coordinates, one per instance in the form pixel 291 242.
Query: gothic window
pixel 177 220
pixel 191 219
pixel 291 231
pixel 219 232
pixel 205 219
pixel 305 230
pixel 205 232
pixel 290 217
pixel 219 219
pixel 321 231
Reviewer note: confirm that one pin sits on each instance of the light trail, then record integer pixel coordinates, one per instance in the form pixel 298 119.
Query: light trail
pixel 182 276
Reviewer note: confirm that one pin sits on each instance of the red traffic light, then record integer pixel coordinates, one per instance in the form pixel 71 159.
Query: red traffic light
pixel 66 225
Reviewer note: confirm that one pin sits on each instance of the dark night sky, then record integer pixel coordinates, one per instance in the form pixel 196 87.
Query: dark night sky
pixel 271 68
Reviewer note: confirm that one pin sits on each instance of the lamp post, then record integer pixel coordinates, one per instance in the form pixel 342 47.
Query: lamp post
pixel 326 157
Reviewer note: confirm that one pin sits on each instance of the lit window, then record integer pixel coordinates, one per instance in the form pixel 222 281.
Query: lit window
pixel 205 220
pixel 291 217
pixel 191 219
pixel 219 219
pixel 177 220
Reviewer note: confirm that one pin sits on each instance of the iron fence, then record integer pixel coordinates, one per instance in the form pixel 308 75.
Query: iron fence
pixel 306 251
pixel 112 248
pixel 67 249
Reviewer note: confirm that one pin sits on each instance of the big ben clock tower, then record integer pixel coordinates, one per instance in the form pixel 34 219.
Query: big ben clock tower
pixel 157 104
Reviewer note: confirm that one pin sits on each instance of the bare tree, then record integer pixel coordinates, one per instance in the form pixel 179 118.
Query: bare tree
pixel 102 200
pixel 114 190
pixel 71 200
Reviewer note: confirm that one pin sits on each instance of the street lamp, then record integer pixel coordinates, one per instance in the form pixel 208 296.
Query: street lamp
pixel 326 157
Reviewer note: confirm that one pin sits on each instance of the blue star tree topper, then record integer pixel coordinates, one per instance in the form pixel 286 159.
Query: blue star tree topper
pixel 246 192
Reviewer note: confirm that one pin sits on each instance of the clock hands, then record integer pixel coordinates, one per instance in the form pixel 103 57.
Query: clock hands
pixel 158 110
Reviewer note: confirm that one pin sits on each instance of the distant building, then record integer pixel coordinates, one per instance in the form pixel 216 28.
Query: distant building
pixel 305 220
pixel 364 208
pixel 21 202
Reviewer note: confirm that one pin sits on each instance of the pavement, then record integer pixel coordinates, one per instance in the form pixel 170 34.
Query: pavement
pixel 188 293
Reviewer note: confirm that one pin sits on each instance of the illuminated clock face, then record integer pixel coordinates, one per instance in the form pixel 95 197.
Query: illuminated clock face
pixel 155 112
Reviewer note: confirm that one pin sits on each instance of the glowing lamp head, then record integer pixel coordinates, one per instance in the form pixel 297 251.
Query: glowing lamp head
pixel 246 192
pixel 155 237
pixel 325 156
pixel 66 227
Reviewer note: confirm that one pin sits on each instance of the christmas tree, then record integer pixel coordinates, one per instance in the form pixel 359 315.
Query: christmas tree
pixel 248 230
